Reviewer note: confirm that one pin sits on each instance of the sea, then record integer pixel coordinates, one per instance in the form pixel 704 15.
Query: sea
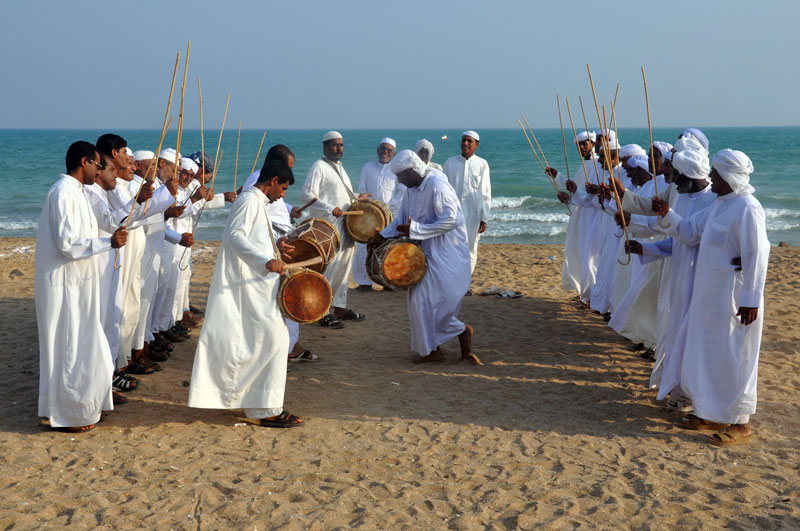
pixel 524 206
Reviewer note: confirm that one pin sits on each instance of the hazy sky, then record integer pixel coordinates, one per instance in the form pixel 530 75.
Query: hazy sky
pixel 408 64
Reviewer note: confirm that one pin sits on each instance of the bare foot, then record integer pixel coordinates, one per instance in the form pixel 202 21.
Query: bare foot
pixel 436 355
pixel 465 340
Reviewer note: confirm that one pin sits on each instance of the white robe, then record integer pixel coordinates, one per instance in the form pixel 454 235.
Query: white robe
pixel 323 182
pixel 588 243
pixel 437 221
pixel 472 184
pixel 571 265
pixel 241 358
pixel 75 368
pixel 603 290
pixel 720 359
pixel 377 180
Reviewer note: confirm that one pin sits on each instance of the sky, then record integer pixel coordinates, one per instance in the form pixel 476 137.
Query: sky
pixel 410 64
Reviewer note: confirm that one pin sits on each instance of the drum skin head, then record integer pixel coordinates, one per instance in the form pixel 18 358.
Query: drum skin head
pixel 305 250
pixel 305 296
pixel 373 220
pixel 405 265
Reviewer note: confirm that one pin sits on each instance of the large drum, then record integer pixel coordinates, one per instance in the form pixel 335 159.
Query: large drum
pixel 396 263
pixel 376 217
pixel 312 238
pixel 305 296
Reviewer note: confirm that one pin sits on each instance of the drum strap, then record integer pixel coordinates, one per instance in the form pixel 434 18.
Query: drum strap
pixel 272 235
pixel 341 178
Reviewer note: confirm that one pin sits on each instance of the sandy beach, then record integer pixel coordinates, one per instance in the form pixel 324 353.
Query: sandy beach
pixel 557 429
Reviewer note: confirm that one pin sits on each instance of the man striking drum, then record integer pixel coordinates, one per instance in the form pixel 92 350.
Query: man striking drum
pixel 431 213
pixel 240 360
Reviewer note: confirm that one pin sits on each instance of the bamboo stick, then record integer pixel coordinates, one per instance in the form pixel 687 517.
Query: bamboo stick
pixel 652 159
pixel 258 153
pixel 236 166
pixel 531 144
pixel 544 169
pixel 575 134
pixel 537 142
pixel 219 143
pixel 202 140
pixel 614 186
pixel 563 137
pixel 180 116
pixel 307 205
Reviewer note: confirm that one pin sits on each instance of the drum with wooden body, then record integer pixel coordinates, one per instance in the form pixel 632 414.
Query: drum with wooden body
pixel 375 217
pixel 305 296
pixel 396 263
pixel 313 237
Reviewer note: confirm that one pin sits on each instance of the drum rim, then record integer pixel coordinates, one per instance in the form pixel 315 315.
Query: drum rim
pixel 288 277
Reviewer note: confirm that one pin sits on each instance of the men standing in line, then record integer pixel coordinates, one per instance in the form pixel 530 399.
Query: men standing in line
pixel 469 176
pixel 241 355
pixel 328 183
pixel 75 361
pixel 436 220
pixel 377 181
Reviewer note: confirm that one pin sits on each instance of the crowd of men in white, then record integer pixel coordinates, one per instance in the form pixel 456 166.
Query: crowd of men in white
pixel 693 298
pixel 113 266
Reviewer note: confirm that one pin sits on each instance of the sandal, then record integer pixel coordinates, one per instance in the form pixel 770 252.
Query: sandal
pixel 150 364
pixel 693 422
pixel 134 367
pixel 118 398
pixel 681 405
pixel 306 355
pixel 284 420
pixel 123 382
pixel 729 437
pixel 330 322
pixel 351 316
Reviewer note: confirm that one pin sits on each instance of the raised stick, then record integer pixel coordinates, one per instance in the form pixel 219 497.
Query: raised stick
pixel 614 186
pixel 236 166
pixel 575 133
pixel 531 144
pixel 307 205
pixel 304 263
pixel 180 116
pixel 563 137
pixel 202 139
pixel 537 142
pixel 652 159
pixel 586 124
pixel 550 177
pixel 221 130
pixel 258 153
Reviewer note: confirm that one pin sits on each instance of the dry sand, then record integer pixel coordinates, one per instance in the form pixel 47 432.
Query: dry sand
pixel 557 429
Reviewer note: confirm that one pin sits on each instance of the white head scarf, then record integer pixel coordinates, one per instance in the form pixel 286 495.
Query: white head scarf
pixel 639 161
pixel 691 143
pixel 424 143
pixel 613 144
pixel 169 155
pixel 330 135
pixel 586 135
pixel 692 163
pixel 472 134
pixel 663 147
pixel 697 134
pixel 405 160
pixel 630 150
pixel 735 168
pixel 189 165
pixel 143 154
pixel 389 141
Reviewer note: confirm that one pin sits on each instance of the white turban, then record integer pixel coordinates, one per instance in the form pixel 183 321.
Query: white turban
pixel 611 139
pixel 692 163
pixel 389 141
pixel 698 134
pixel 472 134
pixel 330 135
pixel 586 135
pixel 424 143
pixel 630 150
pixel 663 147
pixel 639 161
pixel 735 168
pixel 169 155
pixel 189 165
pixel 143 154
pixel 691 143
pixel 405 160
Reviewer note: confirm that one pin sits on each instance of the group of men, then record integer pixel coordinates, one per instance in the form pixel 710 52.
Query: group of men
pixel 692 298
pixel 113 266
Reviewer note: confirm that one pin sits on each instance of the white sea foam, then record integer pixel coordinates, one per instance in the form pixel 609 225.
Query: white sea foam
pixel 18 225
pixel 505 217
pixel 774 213
pixel 779 225
pixel 509 202
pixel 499 231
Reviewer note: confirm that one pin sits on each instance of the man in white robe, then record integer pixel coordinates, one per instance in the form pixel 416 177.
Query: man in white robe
pixel 378 182
pixel 328 183
pixel 75 367
pixel 241 360
pixel 726 316
pixel 469 176
pixel 438 224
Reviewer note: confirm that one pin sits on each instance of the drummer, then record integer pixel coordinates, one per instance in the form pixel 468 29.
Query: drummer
pixel 381 184
pixel 431 213
pixel 328 183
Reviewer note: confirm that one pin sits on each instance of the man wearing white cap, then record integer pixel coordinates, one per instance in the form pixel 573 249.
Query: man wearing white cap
pixel 377 181
pixel 469 176
pixel 725 318
pixel 677 276
pixel 328 183
pixel 424 149
pixel 437 222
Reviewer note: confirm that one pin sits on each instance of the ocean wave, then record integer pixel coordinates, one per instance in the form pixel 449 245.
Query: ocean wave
pixel 18 225
pixel 505 217
pixel 776 226
pixel 527 230
pixel 774 213
pixel 509 202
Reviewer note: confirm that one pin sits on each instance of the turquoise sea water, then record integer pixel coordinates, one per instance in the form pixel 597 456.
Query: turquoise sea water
pixel 524 208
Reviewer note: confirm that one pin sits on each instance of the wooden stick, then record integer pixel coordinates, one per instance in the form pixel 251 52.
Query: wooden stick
pixel 563 137
pixel 614 185
pixel 217 154
pixel 575 133
pixel 650 131
pixel 597 107
pixel 180 117
pixel 258 154
pixel 304 263
pixel 531 144
pixel 353 213
pixel 550 177
pixel 202 140
pixel 236 166
pixel 586 124
pixel 537 142
pixel 307 205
